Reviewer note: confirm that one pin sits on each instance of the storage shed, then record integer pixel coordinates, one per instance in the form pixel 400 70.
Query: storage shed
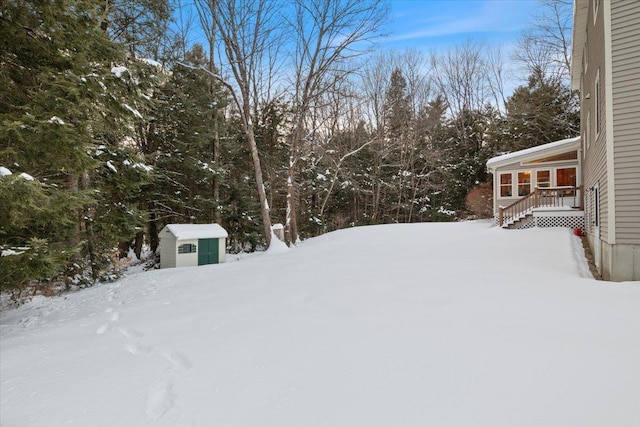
pixel 190 245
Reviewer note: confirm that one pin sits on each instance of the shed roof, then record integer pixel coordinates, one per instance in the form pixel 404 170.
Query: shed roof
pixel 196 231
pixel 545 149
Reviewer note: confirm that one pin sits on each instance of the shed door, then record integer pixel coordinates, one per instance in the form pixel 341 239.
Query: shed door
pixel 207 251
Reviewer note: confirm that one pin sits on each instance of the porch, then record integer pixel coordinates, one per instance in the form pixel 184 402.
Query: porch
pixel 545 207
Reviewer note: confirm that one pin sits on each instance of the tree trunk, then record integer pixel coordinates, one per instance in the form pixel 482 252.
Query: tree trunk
pixel 123 249
pixel 377 191
pixel 216 133
pixel 83 183
pixel 264 204
pixel 291 221
pixel 216 162
pixel 215 154
pixel 91 249
pixel 137 244
pixel 154 240
pixel 291 225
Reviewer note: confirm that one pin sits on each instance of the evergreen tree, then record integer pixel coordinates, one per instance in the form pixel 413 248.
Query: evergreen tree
pixel 36 225
pixel 463 151
pixel 50 54
pixel 543 111
pixel 397 108
pixel 141 26
pixel 63 104
pixel 181 145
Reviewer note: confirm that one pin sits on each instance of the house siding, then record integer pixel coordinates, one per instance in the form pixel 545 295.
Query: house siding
pixel 609 43
pixel 594 168
pixel 625 42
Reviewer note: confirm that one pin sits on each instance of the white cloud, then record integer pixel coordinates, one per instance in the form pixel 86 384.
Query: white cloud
pixel 428 22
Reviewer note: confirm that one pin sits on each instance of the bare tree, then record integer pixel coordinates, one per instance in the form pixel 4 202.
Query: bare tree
pixel 496 77
pixel 329 34
pixel 375 82
pixel 460 75
pixel 248 35
pixel 375 85
pixel 184 22
pixel 415 68
pixel 546 46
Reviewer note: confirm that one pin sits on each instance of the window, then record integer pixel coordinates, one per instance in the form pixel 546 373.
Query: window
pixel 543 179
pixel 566 177
pixel 596 207
pixel 587 132
pixel 597 102
pixel 524 183
pixel 187 248
pixel 505 185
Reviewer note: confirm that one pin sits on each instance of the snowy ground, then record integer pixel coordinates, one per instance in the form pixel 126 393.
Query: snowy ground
pixel 402 325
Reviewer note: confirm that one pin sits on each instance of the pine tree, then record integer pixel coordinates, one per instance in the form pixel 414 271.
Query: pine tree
pixel 61 99
pixel 462 143
pixel 397 108
pixel 36 224
pixel 141 26
pixel 543 111
pixel 182 145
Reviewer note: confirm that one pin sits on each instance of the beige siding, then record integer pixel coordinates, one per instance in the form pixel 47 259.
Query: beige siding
pixel 222 249
pixel 186 260
pixel 594 168
pixel 625 37
pixel 167 249
pixel 595 172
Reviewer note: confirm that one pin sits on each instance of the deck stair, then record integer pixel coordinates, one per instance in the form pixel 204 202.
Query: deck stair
pixel 526 220
pixel 520 213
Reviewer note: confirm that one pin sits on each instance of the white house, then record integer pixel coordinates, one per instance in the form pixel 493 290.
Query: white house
pixel 190 245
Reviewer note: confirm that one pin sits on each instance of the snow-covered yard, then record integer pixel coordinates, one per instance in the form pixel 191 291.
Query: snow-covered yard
pixel 401 325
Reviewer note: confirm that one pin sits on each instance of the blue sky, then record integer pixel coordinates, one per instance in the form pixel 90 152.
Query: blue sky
pixel 435 25
pixel 438 24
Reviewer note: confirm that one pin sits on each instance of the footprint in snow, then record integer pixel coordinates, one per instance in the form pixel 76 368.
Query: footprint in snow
pixel 159 399
pixel 115 316
pixel 177 360
pixel 129 333
pixel 135 348
pixel 102 329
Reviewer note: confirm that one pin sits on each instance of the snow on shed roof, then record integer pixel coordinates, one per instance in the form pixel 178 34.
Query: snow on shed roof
pixel 196 231
pixel 564 143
